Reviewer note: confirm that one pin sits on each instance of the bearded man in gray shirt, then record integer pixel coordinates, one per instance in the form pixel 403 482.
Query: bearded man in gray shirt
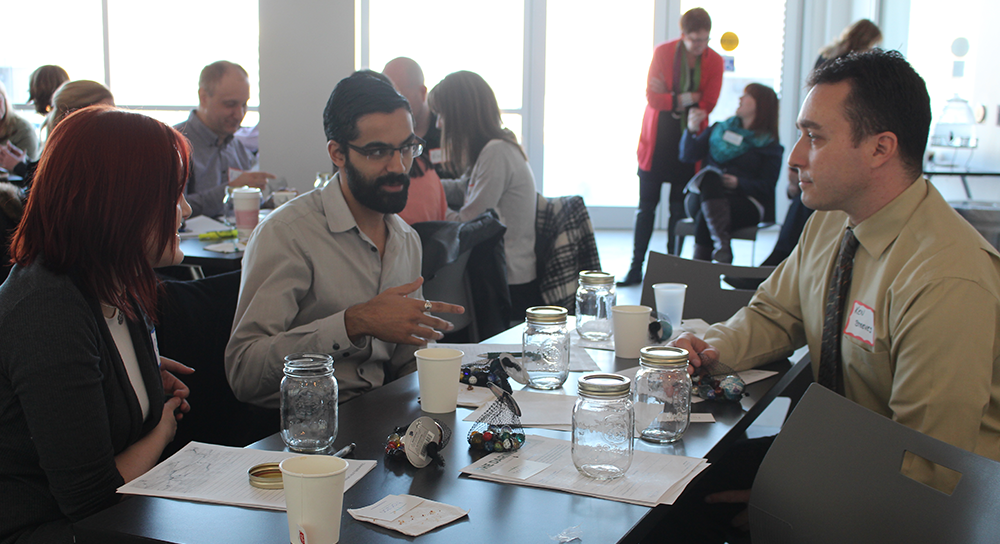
pixel 336 270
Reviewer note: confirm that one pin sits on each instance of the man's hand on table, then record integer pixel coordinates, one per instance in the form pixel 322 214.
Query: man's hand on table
pixel 696 348
pixel 394 317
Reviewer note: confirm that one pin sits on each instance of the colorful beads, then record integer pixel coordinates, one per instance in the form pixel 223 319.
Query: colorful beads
pixel 497 439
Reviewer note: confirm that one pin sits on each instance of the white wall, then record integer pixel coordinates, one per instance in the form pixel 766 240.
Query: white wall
pixel 306 47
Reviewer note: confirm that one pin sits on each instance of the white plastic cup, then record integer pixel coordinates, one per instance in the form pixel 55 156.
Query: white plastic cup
pixel 631 329
pixel 670 302
pixel 246 206
pixel 438 370
pixel 314 497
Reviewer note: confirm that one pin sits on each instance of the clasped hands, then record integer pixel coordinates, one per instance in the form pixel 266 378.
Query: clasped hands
pixel 392 316
pixel 11 156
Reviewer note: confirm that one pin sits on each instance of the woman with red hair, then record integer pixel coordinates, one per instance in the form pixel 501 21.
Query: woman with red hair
pixel 86 403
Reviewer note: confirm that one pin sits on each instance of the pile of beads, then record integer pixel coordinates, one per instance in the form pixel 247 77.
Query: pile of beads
pixel 496 439
pixel 729 387
pixel 393 447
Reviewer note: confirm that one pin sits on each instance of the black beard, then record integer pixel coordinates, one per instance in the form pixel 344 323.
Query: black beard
pixel 369 192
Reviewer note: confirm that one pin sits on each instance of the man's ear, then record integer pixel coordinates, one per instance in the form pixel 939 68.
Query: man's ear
pixel 337 154
pixel 423 92
pixel 886 147
pixel 203 97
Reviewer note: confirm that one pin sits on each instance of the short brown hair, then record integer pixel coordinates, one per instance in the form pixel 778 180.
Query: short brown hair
pixel 765 120
pixel 212 74
pixel 44 81
pixel 695 20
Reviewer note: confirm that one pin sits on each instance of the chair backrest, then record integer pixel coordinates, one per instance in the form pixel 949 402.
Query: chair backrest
pixel 451 284
pixel 705 298
pixel 564 247
pixel 833 475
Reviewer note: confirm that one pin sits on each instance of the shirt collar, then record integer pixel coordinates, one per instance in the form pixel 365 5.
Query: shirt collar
pixel 883 227
pixel 338 215
pixel 199 133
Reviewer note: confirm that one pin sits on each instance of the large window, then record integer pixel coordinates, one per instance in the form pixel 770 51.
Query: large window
pixel 446 36
pixel 154 55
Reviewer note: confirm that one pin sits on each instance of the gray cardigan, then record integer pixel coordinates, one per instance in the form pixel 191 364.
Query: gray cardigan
pixel 66 405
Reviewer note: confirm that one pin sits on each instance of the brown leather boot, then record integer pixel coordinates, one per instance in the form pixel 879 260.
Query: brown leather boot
pixel 718 216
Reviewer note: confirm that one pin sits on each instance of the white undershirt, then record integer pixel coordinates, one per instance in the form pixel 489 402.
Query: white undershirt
pixel 123 341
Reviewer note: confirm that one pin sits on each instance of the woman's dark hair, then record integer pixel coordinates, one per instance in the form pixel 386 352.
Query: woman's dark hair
pixel 471 117
pixel 104 199
pixel 695 20
pixel 765 120
pixel 860 36
pixel 44 81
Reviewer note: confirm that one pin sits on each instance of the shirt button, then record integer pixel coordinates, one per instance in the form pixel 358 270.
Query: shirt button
pixel 374 249
pixel 336 346
pixel 347 354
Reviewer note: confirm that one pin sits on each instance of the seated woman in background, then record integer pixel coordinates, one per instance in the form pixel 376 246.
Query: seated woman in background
pixel 44 81
pixel 70 97
pixel 16 130
pixel 736 185
pixel 85 403
pixel 495 171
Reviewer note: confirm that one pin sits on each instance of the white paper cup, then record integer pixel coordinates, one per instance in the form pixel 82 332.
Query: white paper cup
pixel 631 329
pixel 314 497
pixel 670 301
pixel 438 370
pixel 246 206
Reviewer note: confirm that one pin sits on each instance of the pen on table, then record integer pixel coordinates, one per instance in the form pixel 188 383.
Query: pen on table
pixel 346 450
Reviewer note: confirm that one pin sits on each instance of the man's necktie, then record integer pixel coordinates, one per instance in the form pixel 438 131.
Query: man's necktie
pixel 831 374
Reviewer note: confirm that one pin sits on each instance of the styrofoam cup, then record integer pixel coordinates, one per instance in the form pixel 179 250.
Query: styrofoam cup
pixel 631 329
pixel 314 497
pixel 670 301
pixel 438 370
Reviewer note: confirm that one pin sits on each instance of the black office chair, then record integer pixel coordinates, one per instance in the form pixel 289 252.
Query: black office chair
pixel 833 476
pixel 705 297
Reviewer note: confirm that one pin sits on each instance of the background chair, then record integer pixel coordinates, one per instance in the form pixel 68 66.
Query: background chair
pixel 685 227
pixel 705 298
pixel 451 284
pixel 833 475
pixel 564 247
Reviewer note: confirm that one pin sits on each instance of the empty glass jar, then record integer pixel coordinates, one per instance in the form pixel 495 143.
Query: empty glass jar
pixel 594 298
pixel 309 398
pixel 603 426
pixel 545 344
pixel 662 394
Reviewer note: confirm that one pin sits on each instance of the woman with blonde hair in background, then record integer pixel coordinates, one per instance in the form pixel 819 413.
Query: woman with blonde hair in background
pixel 495 174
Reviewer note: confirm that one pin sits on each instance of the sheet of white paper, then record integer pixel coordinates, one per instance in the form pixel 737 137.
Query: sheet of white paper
pixel 539 409
pixel 515 467
pixel 417 520
pixel 200 224
pixel 579 359
pixel 227 246
pixel 218 475
pixel 648 480
pixel 699 417
pixel 389 508
pixel 472 396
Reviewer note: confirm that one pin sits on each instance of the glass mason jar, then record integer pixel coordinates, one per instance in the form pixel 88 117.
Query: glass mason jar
pixel 602 426
pixel 662 394
pixel 309 398
pixel 594 299
pixel 545 347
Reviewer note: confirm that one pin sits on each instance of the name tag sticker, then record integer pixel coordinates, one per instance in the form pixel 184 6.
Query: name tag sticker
pixel 436 155
pixel 732 137
pixel 861 323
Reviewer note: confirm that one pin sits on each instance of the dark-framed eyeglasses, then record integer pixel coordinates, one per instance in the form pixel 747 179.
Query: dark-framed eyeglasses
pixel 382 153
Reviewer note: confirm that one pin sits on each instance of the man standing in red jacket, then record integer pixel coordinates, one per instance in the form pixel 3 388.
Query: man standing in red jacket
pixel 685 73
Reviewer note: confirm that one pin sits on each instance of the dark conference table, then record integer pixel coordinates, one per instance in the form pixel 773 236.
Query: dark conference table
pixel 497 512
pixel 195 254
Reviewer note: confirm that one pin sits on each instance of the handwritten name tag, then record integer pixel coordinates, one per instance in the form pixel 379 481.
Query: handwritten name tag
pixel 861 323
pixel 436 155
pixel 732 137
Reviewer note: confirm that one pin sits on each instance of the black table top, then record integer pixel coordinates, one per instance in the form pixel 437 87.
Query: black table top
pixel 508 512
pixel 196 254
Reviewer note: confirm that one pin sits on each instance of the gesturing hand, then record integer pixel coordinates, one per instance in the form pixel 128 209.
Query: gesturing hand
pixel 174 387
pixel 252 179
pixel 393 317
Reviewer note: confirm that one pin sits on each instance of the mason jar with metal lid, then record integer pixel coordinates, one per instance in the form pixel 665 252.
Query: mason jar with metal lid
pixel 594 298
pixel 545 347
pixel 662 394
pixel 603 426
pixel 309 396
